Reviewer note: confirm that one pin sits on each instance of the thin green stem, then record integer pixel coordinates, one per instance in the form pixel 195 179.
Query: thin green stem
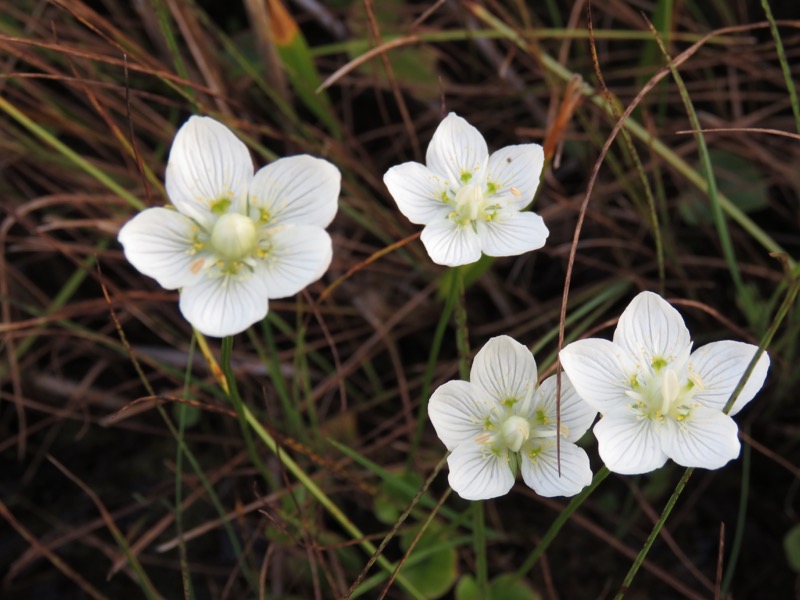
pixel 66 292
pixel 252 580
pixel 787 73
pixel 559 522
pixel 164 23
pixel 479 543
pixel 783 310
pixel 427 379
pixel 462 333
pixel 613 103
pixel 186 578
pixel 738 538
pixel 708 171
pixel 673 499
pixel 69 154
pixel 326 502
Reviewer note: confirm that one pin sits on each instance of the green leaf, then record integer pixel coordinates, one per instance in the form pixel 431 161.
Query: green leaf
pixel 191 414
pixel 299 64
pixel 503 587
pixel 435 575
pixel 791 545
pixel 388 504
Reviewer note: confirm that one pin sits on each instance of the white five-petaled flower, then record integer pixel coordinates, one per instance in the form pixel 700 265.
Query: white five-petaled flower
pixel 659 399
pixel 237 238
pixel 469 201
pixel 500 421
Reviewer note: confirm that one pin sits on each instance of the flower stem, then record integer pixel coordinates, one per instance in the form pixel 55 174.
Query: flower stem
pixel 479 539
pixel 183 559
pixel 559 522
pixel 783 310
pixel 462 334
pixel 427 379
pixel 654 534
pixel 741 518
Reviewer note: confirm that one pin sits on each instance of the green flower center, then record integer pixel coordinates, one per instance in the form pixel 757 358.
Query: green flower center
pixel 472 204
pixel 514 432
pixel 234 237
pixel 663 393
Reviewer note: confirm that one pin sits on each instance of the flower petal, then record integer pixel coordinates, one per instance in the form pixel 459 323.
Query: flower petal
pixel 650 328
pixel 576 414
pixel 450 244
pixel 457 150
pixel 159 243
pixel 297 256
pixel 513 172
pixel 707 438
pixel 720 366
pixel 418 192
pixel 207 163
pixel 628 444
pixel 458 410
pixel 504 369
pixel 600 371
pixel 479 475
pixel 512 233
pixel 297 189
pixel 539 467
pixel 222 305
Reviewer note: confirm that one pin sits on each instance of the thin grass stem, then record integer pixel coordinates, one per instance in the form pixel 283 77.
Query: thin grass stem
pixel 559 522
pixel 673 499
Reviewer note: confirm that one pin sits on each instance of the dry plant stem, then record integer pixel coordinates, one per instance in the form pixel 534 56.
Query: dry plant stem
pixel 414 542
pixel 626 136
pixel 777 132
pixel 720 556
pixel 237 548
pixel 364 263
pixel 54 559
pixel 673 499
pixel 162 12
pixel 398 94
pixel 658 147
pixel 559 522
pixel 143 580
pixel 459 35
pixel 396 527
pixel 326 502
pixel 705 160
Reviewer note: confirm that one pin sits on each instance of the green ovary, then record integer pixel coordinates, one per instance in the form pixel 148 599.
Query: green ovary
pixel 666 395
pixel 234 237
pixel 469 202
pixel 514 432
